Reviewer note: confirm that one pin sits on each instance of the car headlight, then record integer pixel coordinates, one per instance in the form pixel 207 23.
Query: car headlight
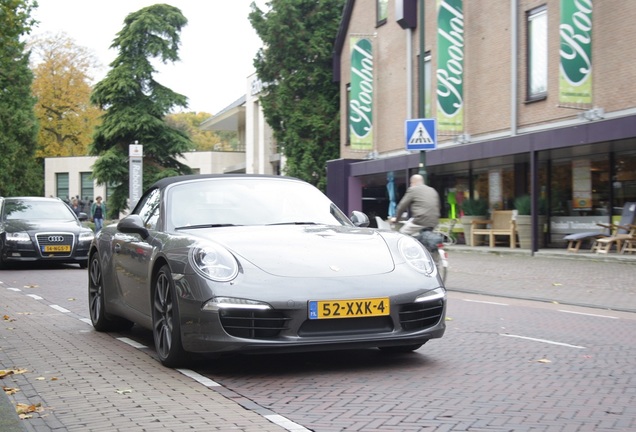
pixel 18 237
pixel 213 262
pixel 86 236
pixel 219 303
pixel 416 255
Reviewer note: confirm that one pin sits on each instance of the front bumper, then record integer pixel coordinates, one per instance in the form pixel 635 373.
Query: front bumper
pixel 286 327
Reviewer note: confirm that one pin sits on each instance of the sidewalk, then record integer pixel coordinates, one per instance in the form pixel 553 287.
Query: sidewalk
pixel 99 381
pixel 550 275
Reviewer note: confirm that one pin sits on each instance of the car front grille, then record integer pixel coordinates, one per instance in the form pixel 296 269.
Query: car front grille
pixel 346 326
pixel 55 244
pixel 416 316
pixel 253 324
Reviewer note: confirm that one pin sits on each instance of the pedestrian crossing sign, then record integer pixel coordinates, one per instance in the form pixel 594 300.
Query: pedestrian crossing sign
pixel 421 134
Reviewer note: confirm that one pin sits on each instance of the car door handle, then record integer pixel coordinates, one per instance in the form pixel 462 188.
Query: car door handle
pixel 117 248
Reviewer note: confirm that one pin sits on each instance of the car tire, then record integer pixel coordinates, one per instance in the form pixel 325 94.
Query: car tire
pixel 101 321
pixel 401 348
pixel 166 328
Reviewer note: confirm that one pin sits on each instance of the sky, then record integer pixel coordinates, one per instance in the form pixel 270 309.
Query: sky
pixel 217 49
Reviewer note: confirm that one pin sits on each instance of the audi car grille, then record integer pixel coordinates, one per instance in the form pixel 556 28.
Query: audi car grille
pixel 416 316
pixel 253 324
pixel 55 244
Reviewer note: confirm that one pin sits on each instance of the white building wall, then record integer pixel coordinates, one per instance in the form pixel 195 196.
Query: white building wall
pixel 201 162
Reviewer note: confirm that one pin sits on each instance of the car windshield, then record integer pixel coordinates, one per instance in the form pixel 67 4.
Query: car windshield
pixel 250 201
pixel 32 209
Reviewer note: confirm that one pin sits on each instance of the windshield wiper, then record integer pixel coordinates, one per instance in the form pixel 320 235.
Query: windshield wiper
pixel 205 226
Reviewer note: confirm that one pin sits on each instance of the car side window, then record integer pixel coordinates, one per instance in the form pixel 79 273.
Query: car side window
pixel 149 211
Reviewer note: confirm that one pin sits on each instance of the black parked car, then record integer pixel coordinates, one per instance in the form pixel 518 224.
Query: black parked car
pixel 42 229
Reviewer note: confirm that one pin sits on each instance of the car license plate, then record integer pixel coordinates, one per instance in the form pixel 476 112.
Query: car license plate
pixel 355 308
pixel 58 248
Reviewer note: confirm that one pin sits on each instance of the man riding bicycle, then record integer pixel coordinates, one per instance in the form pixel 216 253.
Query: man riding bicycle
pixel 423 202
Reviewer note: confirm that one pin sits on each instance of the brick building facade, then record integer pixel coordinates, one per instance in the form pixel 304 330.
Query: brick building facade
pixel 528 123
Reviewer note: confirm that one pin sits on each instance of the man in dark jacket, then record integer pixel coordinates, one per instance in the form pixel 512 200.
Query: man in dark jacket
pixel 423 202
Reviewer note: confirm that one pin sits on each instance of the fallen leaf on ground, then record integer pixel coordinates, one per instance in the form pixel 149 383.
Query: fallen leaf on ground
pixel 6 372
pixel 544 360
pixel 126 391
pixel 8 318
pixel 10 390
pixel 448 318
pixel 53 378
pixel 31 286
pixel 40 378
pixel 71 299
pixel 557 284
pixel 22 409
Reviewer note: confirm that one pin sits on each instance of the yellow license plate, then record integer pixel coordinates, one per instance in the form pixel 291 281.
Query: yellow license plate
pixel 355 308
pixel 61 248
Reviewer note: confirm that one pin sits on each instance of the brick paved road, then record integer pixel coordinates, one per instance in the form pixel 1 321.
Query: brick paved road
pixel 478 377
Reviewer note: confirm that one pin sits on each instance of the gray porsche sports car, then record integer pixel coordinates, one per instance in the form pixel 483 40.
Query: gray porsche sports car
pixel 218 264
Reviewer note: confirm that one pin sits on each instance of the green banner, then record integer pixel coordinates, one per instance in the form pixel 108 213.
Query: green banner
pixel 361 95
pixel 575 71
pixel 450 66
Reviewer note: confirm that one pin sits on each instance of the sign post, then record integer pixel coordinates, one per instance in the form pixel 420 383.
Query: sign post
pixel 135 173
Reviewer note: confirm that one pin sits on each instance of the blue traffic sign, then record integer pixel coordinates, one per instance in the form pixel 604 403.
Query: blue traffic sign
pixel 421 134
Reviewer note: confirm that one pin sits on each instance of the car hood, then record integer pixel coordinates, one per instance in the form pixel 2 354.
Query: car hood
pixel 43 225
pixel 308 250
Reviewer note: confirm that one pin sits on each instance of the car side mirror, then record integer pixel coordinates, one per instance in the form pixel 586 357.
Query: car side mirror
pixel 359 219
pixel 82 216
pixel 133 224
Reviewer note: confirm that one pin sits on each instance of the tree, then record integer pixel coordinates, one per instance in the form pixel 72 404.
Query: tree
pixel 190 123
pixel 62 86
pixel 20 173
pixel 300 101
pixel 136 104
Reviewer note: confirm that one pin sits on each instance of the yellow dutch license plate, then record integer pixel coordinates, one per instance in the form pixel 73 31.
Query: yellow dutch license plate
pixel 355 308
pixel 61 248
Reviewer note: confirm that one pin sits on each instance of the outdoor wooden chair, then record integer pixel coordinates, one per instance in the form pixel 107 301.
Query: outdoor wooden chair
pixel 608 231
pixel 500 223
pixel 619 232
pixel 629 245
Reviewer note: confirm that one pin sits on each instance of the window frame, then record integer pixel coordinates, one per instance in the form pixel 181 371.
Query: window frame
pixel 381 12
pixel 59 176
pixel 532 73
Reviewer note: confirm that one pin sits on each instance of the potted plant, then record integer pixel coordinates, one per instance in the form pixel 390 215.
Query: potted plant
pixel 472 209
pixel 523 205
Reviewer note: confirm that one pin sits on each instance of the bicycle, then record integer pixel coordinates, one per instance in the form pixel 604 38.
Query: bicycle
pixel 434 243
pixel 446 231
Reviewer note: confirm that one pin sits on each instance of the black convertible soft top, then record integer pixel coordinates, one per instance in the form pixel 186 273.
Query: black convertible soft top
pixel 164 182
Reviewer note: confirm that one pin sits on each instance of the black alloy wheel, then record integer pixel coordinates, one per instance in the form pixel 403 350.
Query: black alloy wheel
pixel 165 320
pixel 101 322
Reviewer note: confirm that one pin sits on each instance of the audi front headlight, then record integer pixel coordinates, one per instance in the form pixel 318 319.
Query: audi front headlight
pixel 18 237
pixel 213 261
pixel 86 236
pixel 416 255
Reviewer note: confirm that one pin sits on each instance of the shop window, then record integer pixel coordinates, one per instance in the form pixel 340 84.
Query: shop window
pixel 61 185
pixel 537 55
pixel 624 180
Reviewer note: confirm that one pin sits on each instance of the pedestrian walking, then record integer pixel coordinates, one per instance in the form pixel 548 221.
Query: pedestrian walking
pixel 98 211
